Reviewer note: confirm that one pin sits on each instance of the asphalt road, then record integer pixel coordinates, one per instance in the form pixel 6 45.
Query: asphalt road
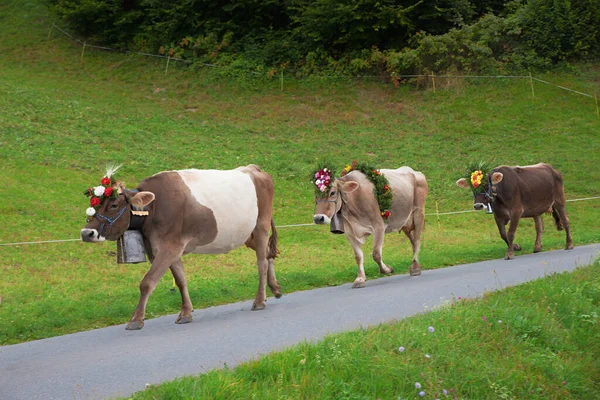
pixel 113 362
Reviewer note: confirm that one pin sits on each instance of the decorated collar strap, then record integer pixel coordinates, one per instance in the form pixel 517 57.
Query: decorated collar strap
pixel 381 189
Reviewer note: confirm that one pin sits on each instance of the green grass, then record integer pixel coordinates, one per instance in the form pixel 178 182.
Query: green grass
pixel 535 341
pixel 64 118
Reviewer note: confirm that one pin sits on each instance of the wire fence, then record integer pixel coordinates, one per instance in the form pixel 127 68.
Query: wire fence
pixel 432 77
pixel 278 227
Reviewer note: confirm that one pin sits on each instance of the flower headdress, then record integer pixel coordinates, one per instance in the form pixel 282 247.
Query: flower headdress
pixel 382 190
pixel 104 191
pixel 322 178
pixel 476 175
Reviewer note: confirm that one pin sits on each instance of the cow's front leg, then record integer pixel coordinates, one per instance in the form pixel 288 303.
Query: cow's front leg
pixel 512 229
pixel 378 238
pixel 501 222
pixel 185 315
pixel 539 229
pixel 160 264
pixel 361 278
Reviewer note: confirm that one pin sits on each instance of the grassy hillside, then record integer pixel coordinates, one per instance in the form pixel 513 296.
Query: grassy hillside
pixel 64 117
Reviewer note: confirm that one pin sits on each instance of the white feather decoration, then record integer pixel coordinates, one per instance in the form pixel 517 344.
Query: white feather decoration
pixel 111 169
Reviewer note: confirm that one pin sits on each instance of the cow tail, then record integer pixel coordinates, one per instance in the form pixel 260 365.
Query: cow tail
pixel 273 251
pixel 559 225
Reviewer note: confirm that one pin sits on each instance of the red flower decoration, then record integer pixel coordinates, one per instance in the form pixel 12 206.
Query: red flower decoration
pixel 108 191
pixel 386 214
pixel 95 201
pixel 105 181
pixel 386 187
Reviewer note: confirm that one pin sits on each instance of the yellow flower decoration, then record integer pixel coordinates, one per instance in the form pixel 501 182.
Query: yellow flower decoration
pixel 476 178
pixel 348 168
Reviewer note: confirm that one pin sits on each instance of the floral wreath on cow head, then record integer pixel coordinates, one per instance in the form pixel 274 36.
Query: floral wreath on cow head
pixel 381 190
pixel 106 190
pixel 476 176
pixel 322 179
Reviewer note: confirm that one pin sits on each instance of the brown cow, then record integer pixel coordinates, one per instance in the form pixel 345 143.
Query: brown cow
pixel 352 198
pixel 512 193
pixel 194 211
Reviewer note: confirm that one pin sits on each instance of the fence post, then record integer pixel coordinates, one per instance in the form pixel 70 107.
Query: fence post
pixel 167 67
pixel 437 211
pixel 281 80
pixel 531 83
pixel 82 52
pixel 433 81
pixel 50 31
pixel 597 109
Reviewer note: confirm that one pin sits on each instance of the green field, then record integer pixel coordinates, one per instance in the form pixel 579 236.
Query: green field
pixel 65 116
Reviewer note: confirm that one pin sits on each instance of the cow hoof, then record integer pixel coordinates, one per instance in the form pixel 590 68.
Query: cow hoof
pixel 516 247
pixel 569 247
pixel 509 256
pixel 134 325
pixel 183 319
pixel 359 283
pixel 386 271
pixel 278 295
pixel 258 306
pixel 415 272
pixel 537 250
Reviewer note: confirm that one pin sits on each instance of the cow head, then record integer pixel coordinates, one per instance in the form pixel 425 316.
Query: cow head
pixel 483 191
pixel 112 216
pixel 326 207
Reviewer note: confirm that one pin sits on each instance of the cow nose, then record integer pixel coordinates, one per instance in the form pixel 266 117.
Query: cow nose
pixel 88 235
pixel 319 219
pixel 478 206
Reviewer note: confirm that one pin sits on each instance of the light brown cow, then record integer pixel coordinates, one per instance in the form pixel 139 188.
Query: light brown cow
pixel 194 211
pixel 352 197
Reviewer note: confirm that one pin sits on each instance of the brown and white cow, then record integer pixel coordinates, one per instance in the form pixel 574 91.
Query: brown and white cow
pixel 352 198
pixel 513 193
pixel 194 211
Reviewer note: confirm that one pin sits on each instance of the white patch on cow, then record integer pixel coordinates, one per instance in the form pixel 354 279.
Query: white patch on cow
pixel 231 196
pixel 320 219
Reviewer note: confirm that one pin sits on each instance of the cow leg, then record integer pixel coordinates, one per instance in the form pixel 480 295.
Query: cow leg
pixel 539 229
pixel 512 229
pixel 414 235
pixel 185 315
pixel 161 262
pixel 259 241
pixel 501 224
pixel 272 280
pixel 361 278
pixel 378 238
pixel 564 218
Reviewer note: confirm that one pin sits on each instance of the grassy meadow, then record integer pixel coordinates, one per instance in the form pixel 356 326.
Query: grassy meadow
pixel 64 116
pixel 535 341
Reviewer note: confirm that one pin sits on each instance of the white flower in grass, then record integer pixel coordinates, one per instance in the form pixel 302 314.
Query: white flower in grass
pixel 90 212
pixel 99 191
pixel 417 385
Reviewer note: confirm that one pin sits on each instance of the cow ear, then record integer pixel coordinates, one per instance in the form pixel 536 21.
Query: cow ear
pixel 497 177
pixel 462 182
pixel 349 187
pixel 142 199
pixel 120 187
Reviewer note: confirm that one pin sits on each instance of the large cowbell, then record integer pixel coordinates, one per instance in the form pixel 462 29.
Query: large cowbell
pixel 337 224
pixel 130 248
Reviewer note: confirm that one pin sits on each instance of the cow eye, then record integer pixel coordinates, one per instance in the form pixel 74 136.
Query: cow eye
pixel 113 206
pixel 332 193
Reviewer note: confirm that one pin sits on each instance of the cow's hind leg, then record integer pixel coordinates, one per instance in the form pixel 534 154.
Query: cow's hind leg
pixel 185 315
pixel 272 280
pixel 361 278
pixel 378 238
pixel 414 235
pixel 258 242
pixel 161 262
pixel 539 229
pixel 564 218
